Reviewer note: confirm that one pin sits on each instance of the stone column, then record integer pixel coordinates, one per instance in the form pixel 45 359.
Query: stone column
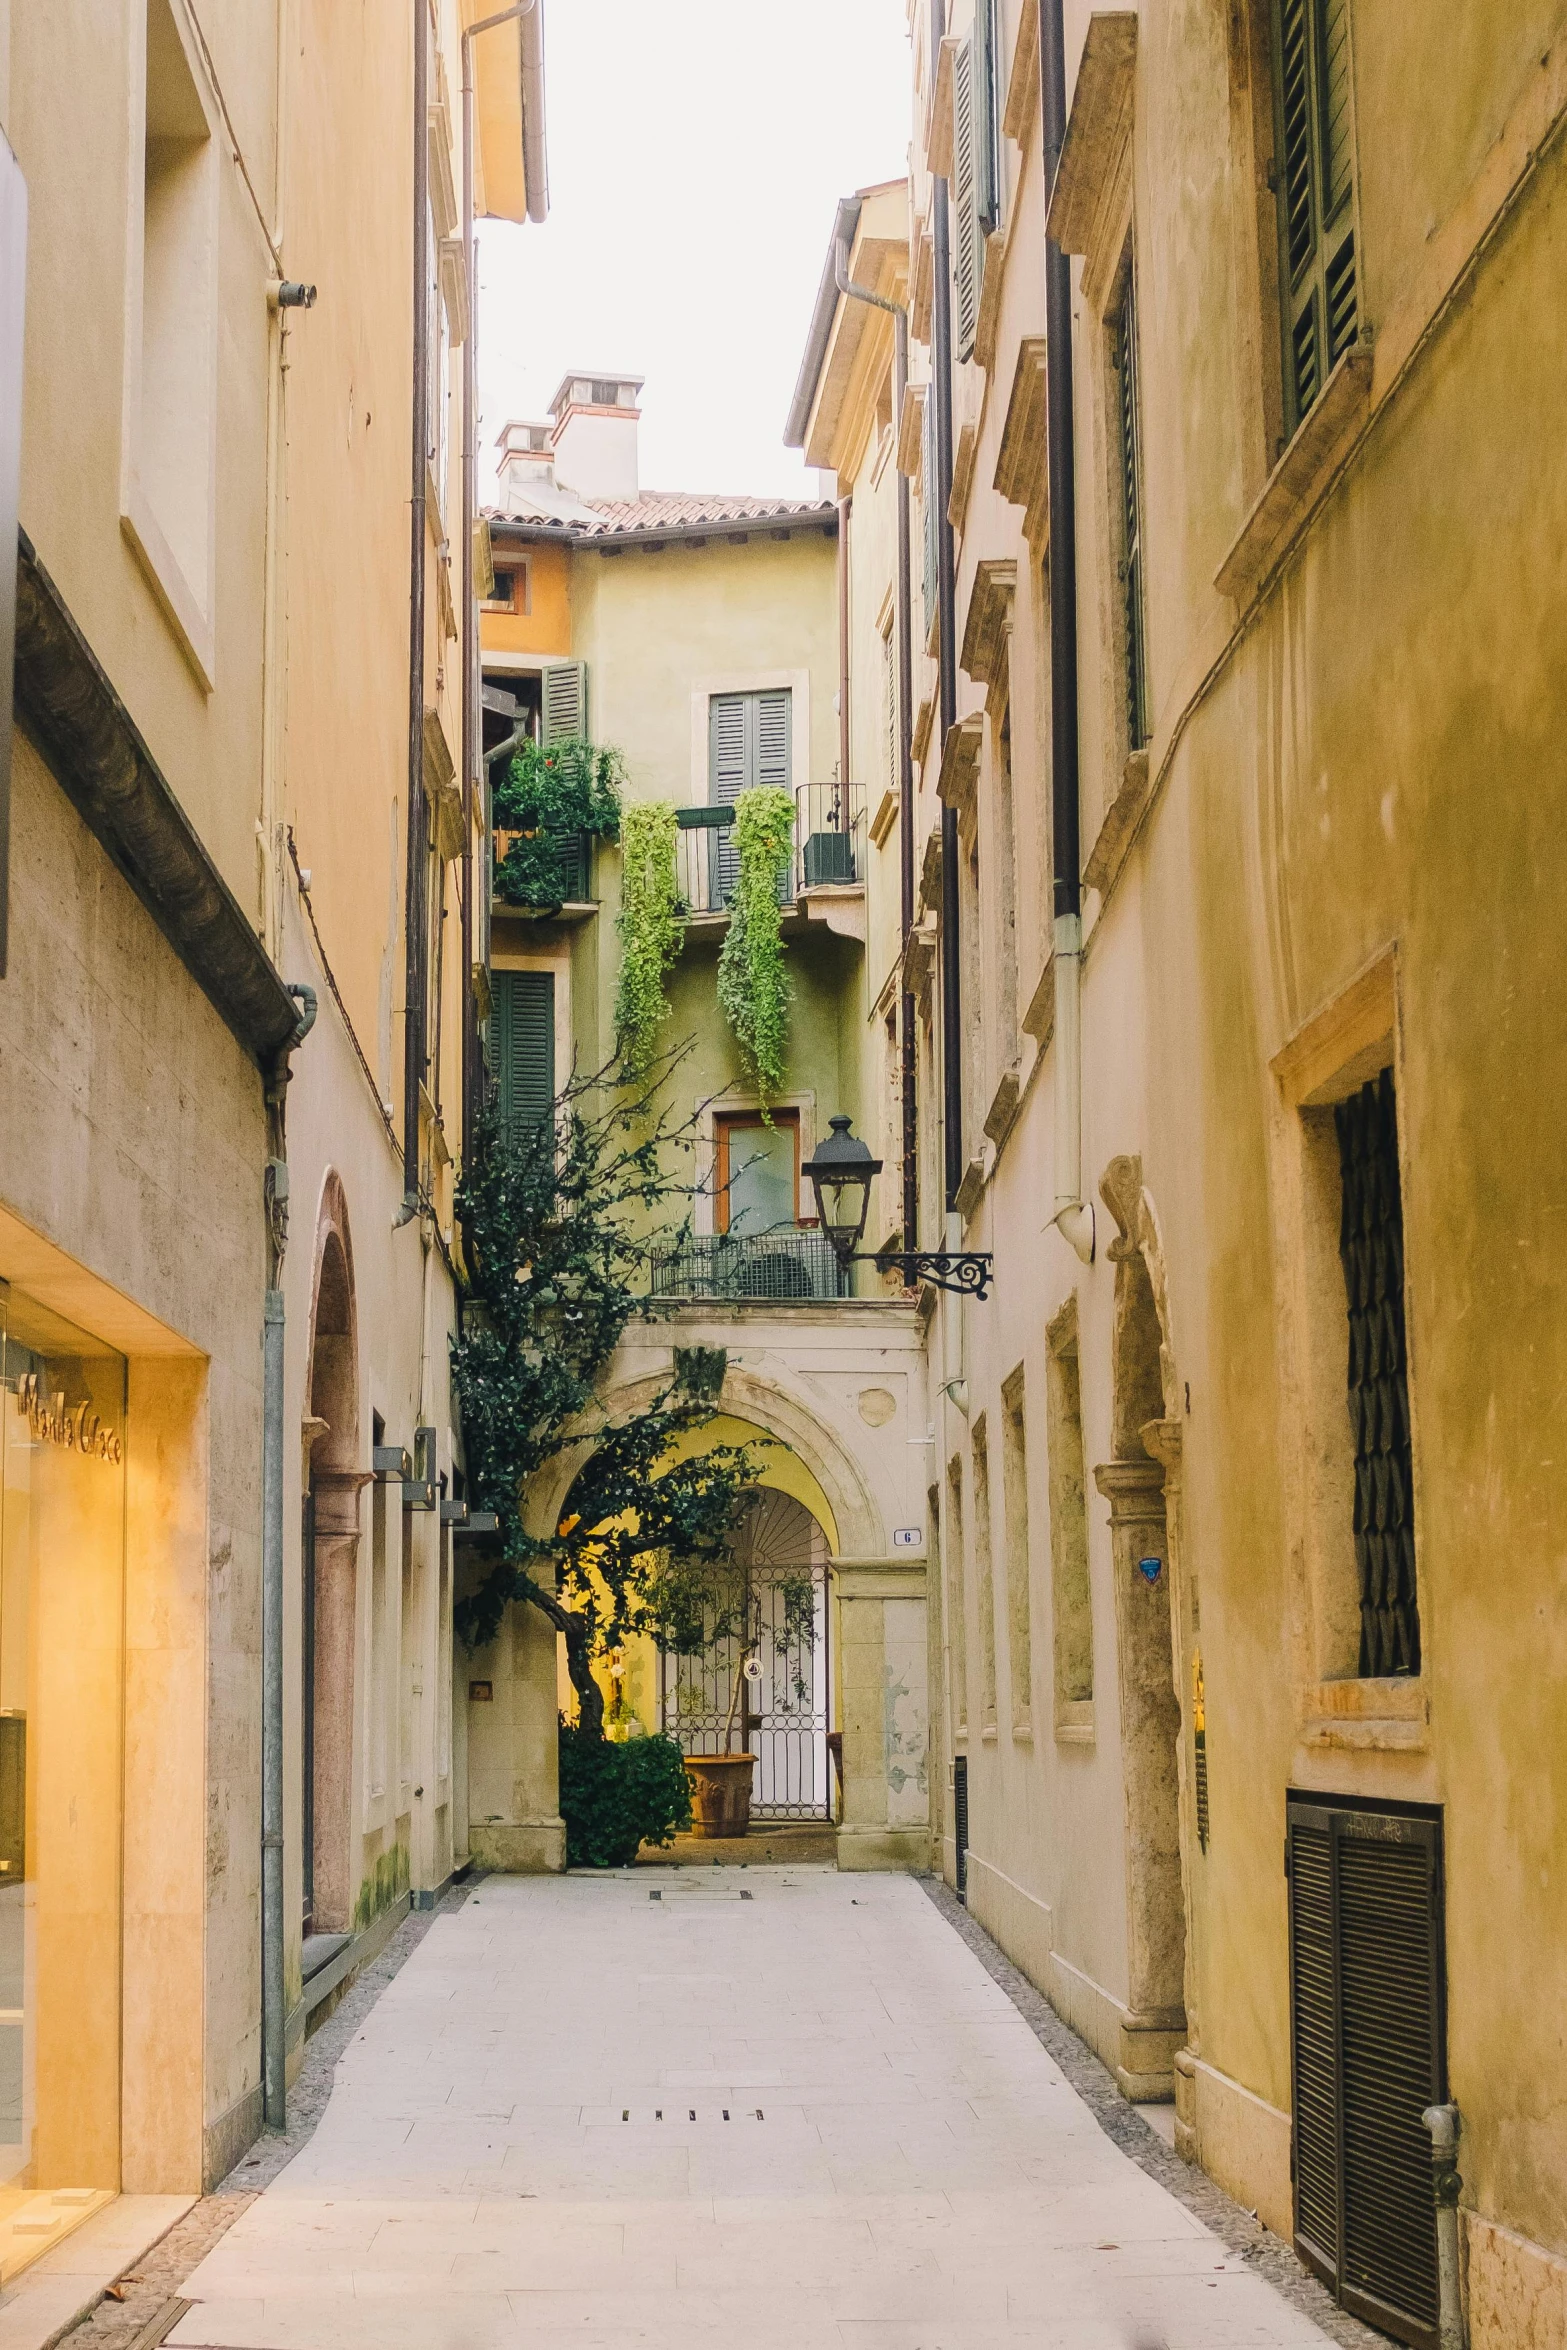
pixel 336 1626
pixel 883 1713
pixel 1150 1731
pixel 1162 1438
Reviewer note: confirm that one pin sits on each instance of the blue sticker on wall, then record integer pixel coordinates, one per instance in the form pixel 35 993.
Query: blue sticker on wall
pixel 1150 1569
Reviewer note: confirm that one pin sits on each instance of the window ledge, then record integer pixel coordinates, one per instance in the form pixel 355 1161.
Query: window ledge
pixel 1368 1716
pixel 989 1735
pixel 971 1190
pixel 1299 478
pixel 1022 1733
pixel 1074 1733
pixel 1121 820
pixel 1003 1109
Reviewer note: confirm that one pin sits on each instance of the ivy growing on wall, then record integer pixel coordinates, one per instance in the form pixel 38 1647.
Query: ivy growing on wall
pixel 754 986
pixel 556 1232
pixel 546 800
pixel 651 928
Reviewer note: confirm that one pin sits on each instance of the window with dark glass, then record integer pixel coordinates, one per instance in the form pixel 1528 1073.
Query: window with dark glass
pixel 1314 180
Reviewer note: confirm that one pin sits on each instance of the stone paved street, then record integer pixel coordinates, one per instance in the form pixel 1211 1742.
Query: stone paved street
pixel 764 2107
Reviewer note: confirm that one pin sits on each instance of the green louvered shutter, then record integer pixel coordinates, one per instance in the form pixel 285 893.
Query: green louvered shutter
pixel 967 242
pixel 522 1047
pixel 565 701
pixel 1315 176
pixel 1124 350
pixel 749 742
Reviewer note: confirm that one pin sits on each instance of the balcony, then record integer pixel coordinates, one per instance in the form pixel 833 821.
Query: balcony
pixel 788 1264
pixel 543 873
pixel 828 852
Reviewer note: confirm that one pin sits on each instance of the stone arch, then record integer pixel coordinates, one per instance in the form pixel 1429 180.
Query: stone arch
pixel 857 1519
pixel 329 1597
pixel 1142 1485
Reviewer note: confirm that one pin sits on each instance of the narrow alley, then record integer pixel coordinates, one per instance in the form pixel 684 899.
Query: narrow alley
pixel 784 2106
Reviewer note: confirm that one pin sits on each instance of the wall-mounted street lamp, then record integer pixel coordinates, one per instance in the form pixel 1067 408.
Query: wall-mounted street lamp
pixel 840 1176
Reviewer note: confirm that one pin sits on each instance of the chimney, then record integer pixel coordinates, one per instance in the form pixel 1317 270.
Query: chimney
pixel 594 434
pixel 526 464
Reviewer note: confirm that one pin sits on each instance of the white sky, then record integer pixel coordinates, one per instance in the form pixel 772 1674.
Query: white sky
pixel 697 149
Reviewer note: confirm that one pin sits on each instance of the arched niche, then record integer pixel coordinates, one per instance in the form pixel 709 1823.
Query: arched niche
pixel 329 1596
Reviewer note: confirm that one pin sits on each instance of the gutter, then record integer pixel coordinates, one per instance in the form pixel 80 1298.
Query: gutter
pixel 820 331
pixel 1072 1218
pixel 520 531
pixel 535 160
pixel 947 664
pixel 415 878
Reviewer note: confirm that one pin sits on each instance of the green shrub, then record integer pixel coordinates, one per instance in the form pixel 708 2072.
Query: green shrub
pixel 651 930
pixel 616 1797
pixel 548 798
pixel 754 986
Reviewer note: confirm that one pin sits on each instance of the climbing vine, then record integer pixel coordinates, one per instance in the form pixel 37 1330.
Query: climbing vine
pixel 555 1229
pixel 550 796
pixel 650 928
pixel 754 986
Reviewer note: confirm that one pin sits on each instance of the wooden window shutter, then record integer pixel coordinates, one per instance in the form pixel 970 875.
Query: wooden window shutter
pixel 773 733
pixel 987 122
pixel 1314 169
pixel 1124 351
pixel 967 242
pixel 889 664
pixel 1368 2055
pixel 565 701
pixel 930 510
pixel 522 1048
pixel 750 741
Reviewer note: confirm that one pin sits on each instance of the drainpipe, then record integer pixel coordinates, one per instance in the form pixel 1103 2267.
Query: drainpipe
pixel 1444 2124
pixel 474 775
pixel 1072 1217
pixel 845 512
pixel 274 2010
pixel 946 605
pixel 415 882
pixel 903 593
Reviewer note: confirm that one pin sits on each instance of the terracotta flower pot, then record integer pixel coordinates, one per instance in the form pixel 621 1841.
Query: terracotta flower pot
pixel 720 1793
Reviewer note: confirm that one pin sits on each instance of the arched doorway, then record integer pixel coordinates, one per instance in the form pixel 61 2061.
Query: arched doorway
pixel 766 1694
pixel 1138 1482
pixel 330 1576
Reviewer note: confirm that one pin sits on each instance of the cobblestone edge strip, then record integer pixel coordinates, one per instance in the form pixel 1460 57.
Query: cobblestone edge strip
pixel 127 2324
pixel 1239 2229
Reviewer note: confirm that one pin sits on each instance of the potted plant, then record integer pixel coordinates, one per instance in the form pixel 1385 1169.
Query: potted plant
pixel 552 803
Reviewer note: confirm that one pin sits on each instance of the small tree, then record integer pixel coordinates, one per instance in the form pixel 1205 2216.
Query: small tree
pixel 556 1231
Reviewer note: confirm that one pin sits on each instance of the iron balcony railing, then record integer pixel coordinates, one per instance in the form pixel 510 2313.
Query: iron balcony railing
pixel 752 1268
pixel 828 850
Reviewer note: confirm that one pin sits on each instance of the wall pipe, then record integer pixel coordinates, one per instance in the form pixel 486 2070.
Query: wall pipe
pixel 1444 2124
pixel 274 2010
pixel 475 774
pixel 1073 1219
pixel 845 517
pixel 903 594
pixel 414 891
pixel 947 664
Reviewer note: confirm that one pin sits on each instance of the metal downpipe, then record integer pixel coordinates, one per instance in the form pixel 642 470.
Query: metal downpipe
pixel 1072 1217
pixel 414 880
pixel 947 667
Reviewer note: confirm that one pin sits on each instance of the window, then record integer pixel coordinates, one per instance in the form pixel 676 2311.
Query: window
pixel 957 1625
pixel 1368 2054
pixel 168 494
pixel 930 509
pixel 375 1679
pixel 889 700
pixel 1005 925
pixel 513 592
pixel 1014 1497
pixel 1314 174
pixel 1072 1602
pixel 1123 355
pixel 984 1576
pixel 1371 1250
pixel 522 1048
pixel 758 1174
pixel 407 1678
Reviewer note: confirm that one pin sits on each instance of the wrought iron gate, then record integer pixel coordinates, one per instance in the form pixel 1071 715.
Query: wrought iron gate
pixel 782 1717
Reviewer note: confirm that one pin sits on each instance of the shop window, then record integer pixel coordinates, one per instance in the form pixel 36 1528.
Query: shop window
pixel 62 1573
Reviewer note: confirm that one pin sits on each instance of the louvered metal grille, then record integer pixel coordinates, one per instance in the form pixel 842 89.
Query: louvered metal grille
pixel 960 1821
pixel 1131 516
pixel 1315 177
pixel 1367 2048
pixel 1371 1248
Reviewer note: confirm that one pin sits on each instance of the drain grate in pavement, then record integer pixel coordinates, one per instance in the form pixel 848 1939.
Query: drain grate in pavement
pixel 693 2114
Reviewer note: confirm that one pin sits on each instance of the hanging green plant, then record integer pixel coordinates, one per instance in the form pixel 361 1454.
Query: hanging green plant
pixel 651 929
pixel 754 986
pixel 550 803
